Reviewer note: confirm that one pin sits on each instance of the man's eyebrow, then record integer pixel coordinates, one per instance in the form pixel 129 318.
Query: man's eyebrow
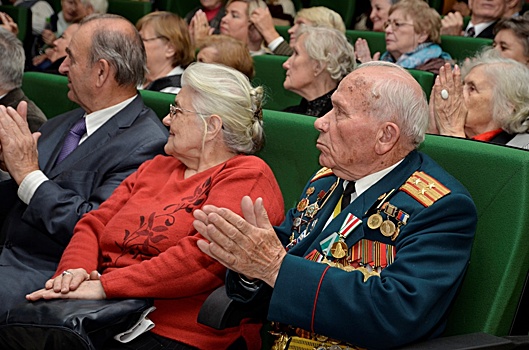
pixel 69 52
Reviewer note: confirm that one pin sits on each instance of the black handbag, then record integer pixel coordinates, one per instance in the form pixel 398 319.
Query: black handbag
pixel 68 324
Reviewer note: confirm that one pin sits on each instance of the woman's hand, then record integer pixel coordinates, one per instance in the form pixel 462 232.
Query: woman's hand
pixel 90 290
pixel 68 281
pixel 362 52
pixel 452 24
pixel 447 107
pixel 48 37
pixel 199 27
pixel 8 23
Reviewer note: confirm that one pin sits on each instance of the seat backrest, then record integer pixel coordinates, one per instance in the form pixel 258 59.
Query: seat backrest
pixel 376 40
pixel 180 7
pixel 290 150
pixel 497 177
pixel 49 92
pixel 460 47
pixel 269 72
pixel 345 8
pixel 22 16
pixel 158 101
pixel 425 79
pixel 131 10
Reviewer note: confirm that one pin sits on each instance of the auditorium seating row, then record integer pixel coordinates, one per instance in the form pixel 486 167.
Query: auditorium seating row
pixel 497 177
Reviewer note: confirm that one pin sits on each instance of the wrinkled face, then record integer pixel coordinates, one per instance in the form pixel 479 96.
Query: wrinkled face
pixel 73 10
pixel 210 4
pixel 186 128
pixel 300 69
pixel 487 9
pixel 207 55
pixel 157 47
pixel 400 34
pixel 236 22
pixel 292 30
pixel 478 94
pixel 510 46
pixel 61 43
pixel 348 131
pixel 82 74
pixel 379 14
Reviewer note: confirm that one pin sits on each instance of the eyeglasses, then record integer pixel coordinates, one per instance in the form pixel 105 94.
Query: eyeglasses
pixel 151 39
pixel 396 25
pixel 174 110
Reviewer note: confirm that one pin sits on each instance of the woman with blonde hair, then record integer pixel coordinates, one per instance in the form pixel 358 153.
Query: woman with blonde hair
pixel 169 50
pixel 412 38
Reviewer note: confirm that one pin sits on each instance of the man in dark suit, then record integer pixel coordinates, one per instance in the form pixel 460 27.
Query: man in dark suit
pixel 377 247
pixel 12 60
pixel 485 15
pixel 50 190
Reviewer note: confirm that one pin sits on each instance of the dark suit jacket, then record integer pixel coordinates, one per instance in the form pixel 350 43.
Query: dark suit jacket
pixel 36 234
pixel 35 116
pixel 410 299
pixel 487 33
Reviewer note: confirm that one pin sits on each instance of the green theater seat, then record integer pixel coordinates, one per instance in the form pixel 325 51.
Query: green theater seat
pixel 131 10
pixel 49 92
pixel 269 72
pixel 180 7
pixel 22 16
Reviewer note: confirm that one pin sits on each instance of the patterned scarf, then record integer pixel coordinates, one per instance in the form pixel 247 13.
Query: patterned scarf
pixel 422 53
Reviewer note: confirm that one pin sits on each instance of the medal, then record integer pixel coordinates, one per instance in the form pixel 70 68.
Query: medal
pixel 387 228
pixel 302 205
pixel 339 249
pixel 310 191
pixel 374 221
pixel 312 209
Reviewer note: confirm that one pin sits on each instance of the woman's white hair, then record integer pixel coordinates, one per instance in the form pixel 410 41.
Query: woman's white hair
pixel 510 105
pixel 226 92
pixel 330 48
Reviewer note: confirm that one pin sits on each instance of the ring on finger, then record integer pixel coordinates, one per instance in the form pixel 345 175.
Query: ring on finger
pixel 66 272
pixel 444 94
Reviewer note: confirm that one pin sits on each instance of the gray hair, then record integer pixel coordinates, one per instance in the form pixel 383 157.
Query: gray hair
pixel 226 92
pixel 510 106
pixel 321 16
pixel 330 48
pixel 99 6
pixel 394 99
pixel 123 50
pixel 12 59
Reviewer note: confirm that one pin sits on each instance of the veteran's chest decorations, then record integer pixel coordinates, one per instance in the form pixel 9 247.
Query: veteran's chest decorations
pixel 308 208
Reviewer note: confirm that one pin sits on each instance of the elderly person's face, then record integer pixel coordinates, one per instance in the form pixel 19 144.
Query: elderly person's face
pixel 292 30
pixel 379 14
pixel 488 9
pixel 348 132
pixel 510 46
pixel 61 43
pixel 478 95
pixel 300 69
pixel 400 34
pixel 236 22
pixel 82 75
pixel 158 49
pixel 186 129
pixel 73 10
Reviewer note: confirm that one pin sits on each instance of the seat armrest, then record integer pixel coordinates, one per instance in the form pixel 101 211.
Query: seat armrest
pixel 220 311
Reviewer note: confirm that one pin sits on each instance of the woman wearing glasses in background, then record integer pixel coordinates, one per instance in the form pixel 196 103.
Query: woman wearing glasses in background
pixel 412 38
pixel 142 240
pixel 169 50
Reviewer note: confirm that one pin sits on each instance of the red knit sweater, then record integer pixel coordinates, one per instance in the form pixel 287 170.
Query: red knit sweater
pixel 143 242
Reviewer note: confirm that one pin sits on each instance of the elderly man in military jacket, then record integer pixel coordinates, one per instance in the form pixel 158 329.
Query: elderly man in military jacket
pixel 377 247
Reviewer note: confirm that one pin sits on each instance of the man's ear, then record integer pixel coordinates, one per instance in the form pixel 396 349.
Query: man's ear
pixel 103 71
pixel 387 136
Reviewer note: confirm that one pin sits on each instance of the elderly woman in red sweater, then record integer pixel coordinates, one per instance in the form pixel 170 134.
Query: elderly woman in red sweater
pixel 141 240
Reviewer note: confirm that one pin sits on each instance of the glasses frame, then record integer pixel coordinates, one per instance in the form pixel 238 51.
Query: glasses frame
pixel 173 110
pixel 395 25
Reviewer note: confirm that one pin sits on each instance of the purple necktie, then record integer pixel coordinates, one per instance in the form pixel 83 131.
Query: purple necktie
pixel 72 139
